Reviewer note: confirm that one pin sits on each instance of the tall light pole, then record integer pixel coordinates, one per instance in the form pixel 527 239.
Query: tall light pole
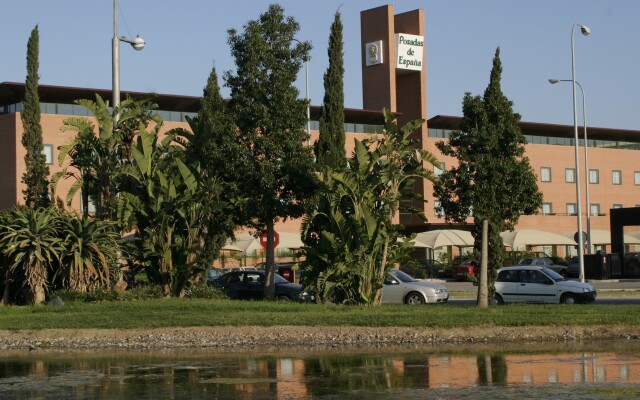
pixel 585 31
pixel 586 157
pixel 137 44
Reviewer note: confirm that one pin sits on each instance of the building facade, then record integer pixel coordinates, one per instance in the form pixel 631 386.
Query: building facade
pixel 393 76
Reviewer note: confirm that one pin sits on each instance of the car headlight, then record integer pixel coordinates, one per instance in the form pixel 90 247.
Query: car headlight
pixel 586 290
pixel 438 291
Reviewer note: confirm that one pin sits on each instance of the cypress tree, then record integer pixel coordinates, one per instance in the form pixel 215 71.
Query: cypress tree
pixel 330 146
pixel 36 193
pixel 493 180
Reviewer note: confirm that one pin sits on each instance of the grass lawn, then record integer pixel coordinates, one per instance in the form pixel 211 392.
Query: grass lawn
pixel 198 312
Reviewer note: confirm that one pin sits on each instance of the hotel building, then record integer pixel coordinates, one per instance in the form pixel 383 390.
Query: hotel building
pixel 393 76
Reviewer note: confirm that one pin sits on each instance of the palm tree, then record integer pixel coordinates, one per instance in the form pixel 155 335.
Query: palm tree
pixel 31 246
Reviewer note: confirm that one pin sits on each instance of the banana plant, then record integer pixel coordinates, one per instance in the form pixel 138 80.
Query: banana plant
pixel 351 239
pixel 97 153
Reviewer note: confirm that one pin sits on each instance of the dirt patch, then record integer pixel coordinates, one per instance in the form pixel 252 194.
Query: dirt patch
pixel 306 336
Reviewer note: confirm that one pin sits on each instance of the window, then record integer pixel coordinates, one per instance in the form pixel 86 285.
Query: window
pixel 545 174
pixel 595 209
pixel 48 153
pixel 91 208
pixel 617 206
pixel 594 176
pixel 616 177
pixel 636 177
pixel 437 208
pixel 570 175
pixel 439 170
pixel 547 209
pixel 571 209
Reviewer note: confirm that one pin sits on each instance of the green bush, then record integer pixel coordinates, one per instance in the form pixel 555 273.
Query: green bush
pixel 205 292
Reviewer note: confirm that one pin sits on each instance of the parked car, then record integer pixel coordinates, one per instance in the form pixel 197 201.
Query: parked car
pixel 530 284
pixel 544 262
pixel 400 287
pixel 244 269
pixel 464 271
pixel 247 285
pixel 213 274
pixel 287 270
pixel 573 267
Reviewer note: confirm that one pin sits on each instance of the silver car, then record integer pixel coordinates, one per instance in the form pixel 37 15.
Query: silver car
pixel 524 284
pixel 402 288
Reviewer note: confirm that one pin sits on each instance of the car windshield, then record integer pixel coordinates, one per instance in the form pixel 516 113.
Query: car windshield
pixel 402 276
pixel 553 275
pixel 279 279
pixel 526 261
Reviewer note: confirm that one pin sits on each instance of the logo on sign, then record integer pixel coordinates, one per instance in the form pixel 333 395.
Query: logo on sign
pixel 373 53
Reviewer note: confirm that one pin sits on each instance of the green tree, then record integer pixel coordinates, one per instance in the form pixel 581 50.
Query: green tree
pixel 330 145
pixel 213 155
pixel 36 175
pixel 277 175
pixel 351 241
pixel 493 180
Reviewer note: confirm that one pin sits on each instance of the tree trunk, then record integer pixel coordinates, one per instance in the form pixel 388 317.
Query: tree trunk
pixel 483 290
pixel 39 295
pixel 7 292
pixel 377 300
pixel 270 285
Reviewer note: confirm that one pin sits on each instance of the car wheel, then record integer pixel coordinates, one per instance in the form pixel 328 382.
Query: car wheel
pixel 499 299
pixel 568 298
pixel 283 298
pixel 414 298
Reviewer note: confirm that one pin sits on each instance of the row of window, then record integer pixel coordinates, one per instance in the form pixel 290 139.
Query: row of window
pixel 176 116
pixel 571 209
pixel 547 209
pixel 594 176
pixel 558 141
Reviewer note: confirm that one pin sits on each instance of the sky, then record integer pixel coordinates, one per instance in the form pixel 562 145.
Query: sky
pixel 186 39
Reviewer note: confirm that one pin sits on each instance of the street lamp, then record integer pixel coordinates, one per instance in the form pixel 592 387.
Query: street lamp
pixel 586 157
pixel 585 31
pixel 137 44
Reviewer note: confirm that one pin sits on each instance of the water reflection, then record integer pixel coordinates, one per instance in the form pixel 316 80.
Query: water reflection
pixel 559 372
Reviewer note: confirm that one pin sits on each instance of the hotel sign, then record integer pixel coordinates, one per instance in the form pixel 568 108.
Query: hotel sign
pixel 409 52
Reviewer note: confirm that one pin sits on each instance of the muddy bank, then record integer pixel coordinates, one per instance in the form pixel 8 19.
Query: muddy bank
pixel 305 336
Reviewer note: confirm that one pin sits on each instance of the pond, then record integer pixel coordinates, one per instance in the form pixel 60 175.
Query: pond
pixel 562 371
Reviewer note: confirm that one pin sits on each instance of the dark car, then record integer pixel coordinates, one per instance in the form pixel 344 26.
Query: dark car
pixel 249 285
pixel 288 270
pixel 213 274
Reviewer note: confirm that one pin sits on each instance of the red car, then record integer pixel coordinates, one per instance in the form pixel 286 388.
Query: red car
pixel 463 271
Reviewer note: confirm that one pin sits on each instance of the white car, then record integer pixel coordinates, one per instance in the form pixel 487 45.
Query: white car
pixel 526 284
pixel 402 288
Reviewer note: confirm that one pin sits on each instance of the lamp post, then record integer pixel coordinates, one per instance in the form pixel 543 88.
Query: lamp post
pixel 585 31
pixel 137 44
pixel 586 157
pixel 306 68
